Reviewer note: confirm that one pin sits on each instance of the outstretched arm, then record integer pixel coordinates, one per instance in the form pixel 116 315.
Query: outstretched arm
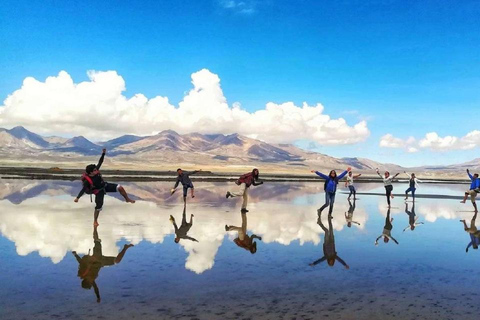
pixel 469 175
pixel 342 262
pixel 100 161
pixel 79 260
pixel 84 188
pixel 177 182
pixel 394 240
pixel 190 238
pixel 314 263
pixel 358 175
pixel 343 174
pixel 257 183
pixel 320 174
pixel 376 240
pixel 97 292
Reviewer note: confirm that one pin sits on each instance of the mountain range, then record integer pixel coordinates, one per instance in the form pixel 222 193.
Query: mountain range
pixel 168 150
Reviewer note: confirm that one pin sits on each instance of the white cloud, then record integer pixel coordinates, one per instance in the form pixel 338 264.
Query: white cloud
pixel 98 110
pixel 243 7
pixel 432 141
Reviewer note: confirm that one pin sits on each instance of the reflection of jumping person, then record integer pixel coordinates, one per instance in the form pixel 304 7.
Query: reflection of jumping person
pixel 474 189
pixel 244 240
pixel 244 182
pixel 412 185
pixel 349 217
pixel 473 232
pixel 387 230
pixel 329 252
pixel 93 183
pixel 184 178
pixel 387 181
pixel 331 182
pixel 89 266
pixel 181 233
pixel 412 218
pixel 349 184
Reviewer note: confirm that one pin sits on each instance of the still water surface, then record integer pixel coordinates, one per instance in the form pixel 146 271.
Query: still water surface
pixel 427 275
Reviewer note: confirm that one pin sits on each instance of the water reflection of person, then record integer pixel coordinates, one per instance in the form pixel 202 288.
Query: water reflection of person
pixel 412 218
pixel 90 265
pixel 387 230
pixel 329 252
pixel 181 233
pixel 244 240
pixel 473 232
pixel 349 216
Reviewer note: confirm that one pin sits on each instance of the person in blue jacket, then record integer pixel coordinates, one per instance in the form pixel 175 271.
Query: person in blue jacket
pixel 474 189
pixel 331 182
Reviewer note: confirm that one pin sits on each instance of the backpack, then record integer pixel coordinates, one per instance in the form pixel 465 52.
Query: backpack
pixel 90 190
pixel 242 178
pixel 326 182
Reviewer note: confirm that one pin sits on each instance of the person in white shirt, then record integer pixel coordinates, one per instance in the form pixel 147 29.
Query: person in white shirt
pixel 349 184
pixel 387 181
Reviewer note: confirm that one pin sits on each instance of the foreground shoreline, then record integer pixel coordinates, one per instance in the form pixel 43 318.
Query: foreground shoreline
pixel 32 173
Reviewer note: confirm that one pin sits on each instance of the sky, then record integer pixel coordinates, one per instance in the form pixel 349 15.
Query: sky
pixel 393 81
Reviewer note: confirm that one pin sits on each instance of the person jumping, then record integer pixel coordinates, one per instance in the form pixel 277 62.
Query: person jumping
pixel 349 184
pixel 413 185
pixel 387 181
pixel 93 183
pixel 244 182
pixel 184 178
pixel 474 189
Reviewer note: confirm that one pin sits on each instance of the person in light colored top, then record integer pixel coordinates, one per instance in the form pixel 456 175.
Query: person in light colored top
pixel 413 185
pixel 349 184
pixel 412 218
pixel 349 217
pixel 387 181
pixel 387 230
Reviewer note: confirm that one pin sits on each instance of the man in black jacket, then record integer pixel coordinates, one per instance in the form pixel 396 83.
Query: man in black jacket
pixel 93 183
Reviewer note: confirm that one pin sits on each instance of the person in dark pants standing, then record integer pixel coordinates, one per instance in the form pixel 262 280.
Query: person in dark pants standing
pixel 330 187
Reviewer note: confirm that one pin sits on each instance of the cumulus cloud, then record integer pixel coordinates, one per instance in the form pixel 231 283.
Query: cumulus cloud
pixel 432 141
pixel 98 110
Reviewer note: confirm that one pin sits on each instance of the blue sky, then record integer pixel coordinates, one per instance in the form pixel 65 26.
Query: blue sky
pixel 407 67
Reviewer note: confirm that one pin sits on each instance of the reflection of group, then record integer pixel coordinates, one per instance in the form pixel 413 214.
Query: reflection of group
pixel 94 184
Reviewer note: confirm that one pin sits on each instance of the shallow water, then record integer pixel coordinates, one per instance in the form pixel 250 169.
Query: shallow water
pixel 428 275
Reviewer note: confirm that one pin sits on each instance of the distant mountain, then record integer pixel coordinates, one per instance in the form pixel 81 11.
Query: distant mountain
pixel 169 148
pixel 78 145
